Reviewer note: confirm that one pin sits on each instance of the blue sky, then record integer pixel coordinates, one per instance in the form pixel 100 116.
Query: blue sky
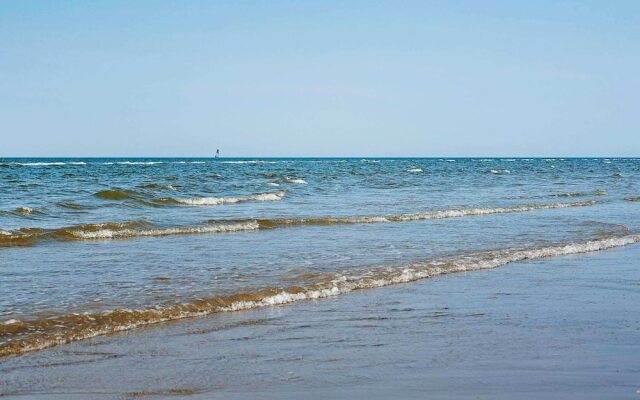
pixel 312 78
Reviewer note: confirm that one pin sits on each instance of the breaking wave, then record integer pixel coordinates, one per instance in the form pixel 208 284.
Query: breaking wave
pixel 28 236
pixel 121 231
pixel 216 201
pixel 295 181
pixel 133 163
pixel 43 163
pixel 114 230
pixel 23 212
pixel 249 162
pixel 18 336
pixel 273 223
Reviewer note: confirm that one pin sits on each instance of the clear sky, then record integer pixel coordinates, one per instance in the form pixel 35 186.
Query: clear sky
pixel 319 78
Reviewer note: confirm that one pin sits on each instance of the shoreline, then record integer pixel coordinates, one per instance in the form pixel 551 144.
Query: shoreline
pixel 563 326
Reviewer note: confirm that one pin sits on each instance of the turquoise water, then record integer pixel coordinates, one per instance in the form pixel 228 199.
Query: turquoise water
pixel 169 238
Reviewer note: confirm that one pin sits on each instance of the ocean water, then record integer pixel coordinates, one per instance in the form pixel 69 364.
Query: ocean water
pixel 94 246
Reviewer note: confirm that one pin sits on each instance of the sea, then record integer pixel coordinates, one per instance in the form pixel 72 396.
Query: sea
pixel 95 246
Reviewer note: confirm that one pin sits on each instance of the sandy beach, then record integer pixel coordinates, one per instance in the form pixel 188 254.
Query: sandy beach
pixel 565 327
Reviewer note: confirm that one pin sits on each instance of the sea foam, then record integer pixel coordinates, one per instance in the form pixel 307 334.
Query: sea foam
pixel 21 336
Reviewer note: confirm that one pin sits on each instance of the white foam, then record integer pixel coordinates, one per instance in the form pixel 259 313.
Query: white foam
pixel 417 271
pixel 249 162
pixel 215 201
pixel 294 180
pixel 123 233
pixel 414 170
pixel 364 279
pixel 136 162
pixel 46 164
pixel 272 184
pixel 499 171
pixel 484 211
pixel 11 322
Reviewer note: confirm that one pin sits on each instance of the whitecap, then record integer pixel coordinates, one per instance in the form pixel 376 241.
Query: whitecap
pixel 214 201
pixel 295 181
pixel 249 162
pixel 137 162
pixel 124 233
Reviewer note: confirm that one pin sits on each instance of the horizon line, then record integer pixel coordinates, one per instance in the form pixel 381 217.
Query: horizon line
pixel 327 157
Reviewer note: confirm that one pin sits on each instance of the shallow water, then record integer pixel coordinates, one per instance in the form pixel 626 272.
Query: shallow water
pixel 92 246
pixel 562 328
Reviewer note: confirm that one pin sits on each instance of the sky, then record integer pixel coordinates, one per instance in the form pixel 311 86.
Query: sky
pixel 319 78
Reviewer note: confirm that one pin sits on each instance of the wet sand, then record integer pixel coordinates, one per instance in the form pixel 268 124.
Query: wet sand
pixel 565 327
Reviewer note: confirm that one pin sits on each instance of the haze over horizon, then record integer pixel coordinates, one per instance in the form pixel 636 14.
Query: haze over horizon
pixel 363 79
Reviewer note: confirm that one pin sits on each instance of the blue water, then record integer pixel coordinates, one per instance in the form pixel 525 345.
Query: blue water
pixel 92 235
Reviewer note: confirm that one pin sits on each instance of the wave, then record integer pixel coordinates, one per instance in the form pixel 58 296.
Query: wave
pixel 117 194
pixel 295 181
pixel 580 194
pixel 499 171
pixel 23 212
pixel 250 162
pixel 73 206
pixel 131 194
pixel 273 223
pixel 114 230
pixel 20 237
pixel 110 230
pixel 216 201
pixel 44 163
pixel 157 186
pixel 632 198
pixel 18 336
pixel 414 170
pixel 133 162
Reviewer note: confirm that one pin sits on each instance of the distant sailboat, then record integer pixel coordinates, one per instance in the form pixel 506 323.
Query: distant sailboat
pixel 217 153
